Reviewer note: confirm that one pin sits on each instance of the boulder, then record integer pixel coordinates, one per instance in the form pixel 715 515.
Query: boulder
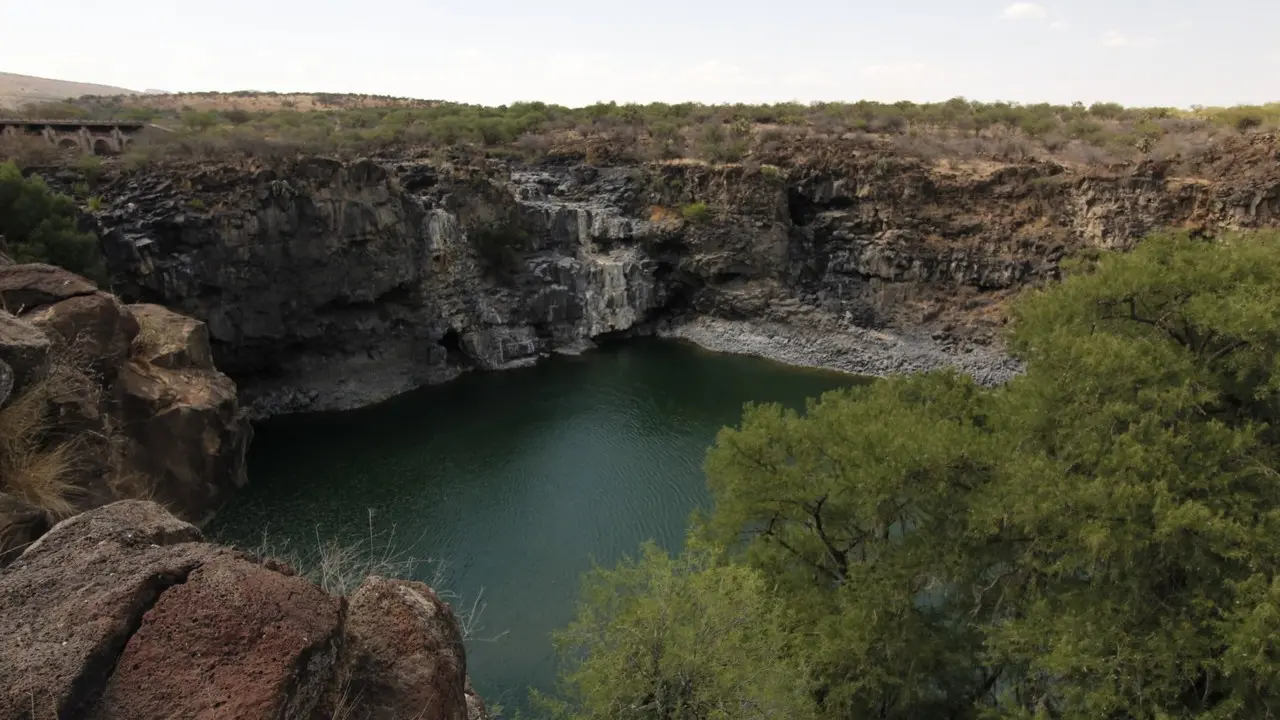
pixel 24 348
pixel 170 340
pixel 123 612
pixel 69 604
pixel 402 654
pixel 95 327
pixel 26 287
pixel 20 525
pixel 236 640
pixel 186 432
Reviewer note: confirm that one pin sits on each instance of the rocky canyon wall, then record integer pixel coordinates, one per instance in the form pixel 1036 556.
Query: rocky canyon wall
pixel 328 285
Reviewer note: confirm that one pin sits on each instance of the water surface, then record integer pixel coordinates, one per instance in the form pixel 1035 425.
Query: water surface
pixel 519 479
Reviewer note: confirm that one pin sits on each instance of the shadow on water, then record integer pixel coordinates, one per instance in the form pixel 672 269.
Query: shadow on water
pixel 518 479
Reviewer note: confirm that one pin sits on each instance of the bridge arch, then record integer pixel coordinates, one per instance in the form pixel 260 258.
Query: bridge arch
pixel 67 143
pixel 103 146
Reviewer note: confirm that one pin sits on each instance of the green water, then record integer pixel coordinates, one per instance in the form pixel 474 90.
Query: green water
pixel 519 479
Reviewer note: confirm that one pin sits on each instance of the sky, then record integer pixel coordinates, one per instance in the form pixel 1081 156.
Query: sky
pixel 574 52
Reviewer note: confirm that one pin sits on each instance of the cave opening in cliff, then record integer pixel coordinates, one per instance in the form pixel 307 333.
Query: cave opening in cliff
pixel 451 341
pixel 804 209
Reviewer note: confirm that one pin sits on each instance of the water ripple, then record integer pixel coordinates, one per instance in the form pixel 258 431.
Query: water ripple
pixel 520 479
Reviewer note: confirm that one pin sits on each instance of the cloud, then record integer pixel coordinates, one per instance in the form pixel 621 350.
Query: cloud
pixel 1059 25
pixel 1024 11
pixel 1114 38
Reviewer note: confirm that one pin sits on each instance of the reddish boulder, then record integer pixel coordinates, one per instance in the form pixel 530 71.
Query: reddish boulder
pixel 69 604
pixel 402 654
pixel 122 613
pixel 236 640
pixel 26 287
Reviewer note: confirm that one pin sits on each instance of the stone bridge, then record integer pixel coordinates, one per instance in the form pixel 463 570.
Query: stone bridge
pixel 96 137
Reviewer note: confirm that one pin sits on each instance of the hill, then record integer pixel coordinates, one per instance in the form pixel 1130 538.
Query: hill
pixel 17 90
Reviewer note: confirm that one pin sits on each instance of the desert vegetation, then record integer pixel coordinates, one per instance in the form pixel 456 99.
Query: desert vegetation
pixel 39 225
pixel 257 124
pixel 1095 539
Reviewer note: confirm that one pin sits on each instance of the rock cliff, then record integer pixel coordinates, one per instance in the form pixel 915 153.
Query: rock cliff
pixel 123 612
pixel 328 285
pixel 101 401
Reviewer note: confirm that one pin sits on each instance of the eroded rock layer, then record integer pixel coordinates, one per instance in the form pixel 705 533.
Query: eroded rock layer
pixel 329 285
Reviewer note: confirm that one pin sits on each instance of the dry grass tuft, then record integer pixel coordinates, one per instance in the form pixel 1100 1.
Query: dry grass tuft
pixel 339 567
pixel 31 467
pixel 128 484
pixel 37 463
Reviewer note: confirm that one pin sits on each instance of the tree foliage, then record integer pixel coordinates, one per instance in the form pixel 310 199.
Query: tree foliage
pixel 39 225
pixel 694 637
pixel 1097 539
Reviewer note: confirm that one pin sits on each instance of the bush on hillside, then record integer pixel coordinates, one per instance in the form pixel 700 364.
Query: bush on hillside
pixel 39 225
pixel 1094 539
pixel 696 212
pixel 716 133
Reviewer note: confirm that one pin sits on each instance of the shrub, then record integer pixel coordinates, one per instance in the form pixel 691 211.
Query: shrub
pixel 696 212
pixel 1094 539
pixel 40 226
pixel 236 116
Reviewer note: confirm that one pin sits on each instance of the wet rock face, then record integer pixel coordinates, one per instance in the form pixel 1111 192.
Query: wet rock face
pixel 328 285
pixel 133 389
pixel 124 612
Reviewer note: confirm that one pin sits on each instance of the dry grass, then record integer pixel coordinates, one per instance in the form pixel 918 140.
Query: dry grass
pixel 39 461
pixel 33 468
pixel 340 566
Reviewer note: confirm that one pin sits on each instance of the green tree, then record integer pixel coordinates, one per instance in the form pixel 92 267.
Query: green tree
pixel 1099 538
pixel 1145 500
pixel 858 510
pixel 686 638
pixel 39 225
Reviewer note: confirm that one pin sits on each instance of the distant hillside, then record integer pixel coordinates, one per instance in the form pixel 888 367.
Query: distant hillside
pixel 18 90
pixel 255 101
